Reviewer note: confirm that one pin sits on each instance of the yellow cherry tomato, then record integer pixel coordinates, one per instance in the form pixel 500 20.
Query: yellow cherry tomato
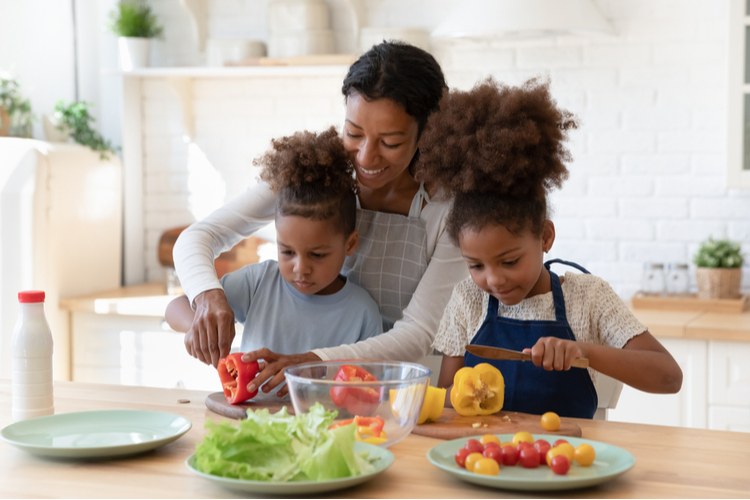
pixel 507 443
pixel 486 466
pixel 472 459
pixel 553 452
pixel 585 455
pixel 489 438
pixel 568 450
pixel 523 436
pixel 550 421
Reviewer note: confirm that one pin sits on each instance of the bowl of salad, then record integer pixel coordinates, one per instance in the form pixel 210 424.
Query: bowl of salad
pixel 383 399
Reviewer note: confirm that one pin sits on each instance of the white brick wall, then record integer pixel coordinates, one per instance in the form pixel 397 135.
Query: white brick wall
pixel 648 178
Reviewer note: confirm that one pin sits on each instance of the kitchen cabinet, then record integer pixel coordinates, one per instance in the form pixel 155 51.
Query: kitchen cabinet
pixel 713 351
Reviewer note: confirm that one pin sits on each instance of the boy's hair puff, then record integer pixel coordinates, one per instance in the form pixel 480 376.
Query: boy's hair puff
pixel 313 177
pixel 498 150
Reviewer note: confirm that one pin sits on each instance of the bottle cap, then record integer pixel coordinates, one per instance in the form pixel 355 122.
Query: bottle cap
pixel 30 296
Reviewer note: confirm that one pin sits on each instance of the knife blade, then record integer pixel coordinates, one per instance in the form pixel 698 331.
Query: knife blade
pixel 485 351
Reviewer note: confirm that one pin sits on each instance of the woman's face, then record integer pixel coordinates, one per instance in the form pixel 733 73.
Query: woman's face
pixel 381 139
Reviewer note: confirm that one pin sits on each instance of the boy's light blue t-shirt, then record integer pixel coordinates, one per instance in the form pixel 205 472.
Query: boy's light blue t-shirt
pixel 278 317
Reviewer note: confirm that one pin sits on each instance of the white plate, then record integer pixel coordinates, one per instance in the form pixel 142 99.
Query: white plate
pixel 610 462
pixel 302 488
pixel 95 434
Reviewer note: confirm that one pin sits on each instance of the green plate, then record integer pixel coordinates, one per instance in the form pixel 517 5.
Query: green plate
pixel 610 462
pixel 96 434
pixel 302 488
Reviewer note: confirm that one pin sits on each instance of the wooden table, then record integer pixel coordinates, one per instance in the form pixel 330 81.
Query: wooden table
pixel 670 461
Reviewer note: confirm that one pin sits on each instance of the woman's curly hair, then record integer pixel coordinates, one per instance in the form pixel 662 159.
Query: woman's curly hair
pixel 313 178
pixel 497 150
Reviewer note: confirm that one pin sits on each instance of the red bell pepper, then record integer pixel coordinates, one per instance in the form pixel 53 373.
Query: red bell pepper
pixel 235 375
pixel 356 400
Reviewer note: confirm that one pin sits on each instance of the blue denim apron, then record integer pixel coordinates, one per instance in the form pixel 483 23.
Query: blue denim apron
pixel 528 388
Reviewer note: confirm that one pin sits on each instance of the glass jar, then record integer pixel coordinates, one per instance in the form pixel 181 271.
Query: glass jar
pixel 678 280
pixel 652 281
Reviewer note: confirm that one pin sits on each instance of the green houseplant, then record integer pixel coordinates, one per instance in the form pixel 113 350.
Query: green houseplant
pixel 76 119
pixel 16 118
pixel 719 269
pixel 136 25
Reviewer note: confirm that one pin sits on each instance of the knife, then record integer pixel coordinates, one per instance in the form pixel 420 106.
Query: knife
pixel 485 351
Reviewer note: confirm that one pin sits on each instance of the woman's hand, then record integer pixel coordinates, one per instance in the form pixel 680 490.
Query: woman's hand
pixel 553 353
pixel 210 336
pixel 272 367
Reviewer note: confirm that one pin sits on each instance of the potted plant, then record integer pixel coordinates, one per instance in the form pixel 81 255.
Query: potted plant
pixel 76 120
pixel 719 270
pixel 136 25
pixel 15 112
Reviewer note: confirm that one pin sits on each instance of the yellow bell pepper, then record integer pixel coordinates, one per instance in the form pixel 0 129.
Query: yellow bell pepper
pixel 432 408
pixel 478 391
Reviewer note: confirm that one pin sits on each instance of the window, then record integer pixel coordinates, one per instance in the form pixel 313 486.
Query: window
pixel 738 128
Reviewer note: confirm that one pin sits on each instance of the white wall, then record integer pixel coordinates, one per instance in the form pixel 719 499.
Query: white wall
pixel 648 179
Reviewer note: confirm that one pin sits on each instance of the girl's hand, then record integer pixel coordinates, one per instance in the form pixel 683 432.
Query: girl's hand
pixel 553 353
pixel 272 367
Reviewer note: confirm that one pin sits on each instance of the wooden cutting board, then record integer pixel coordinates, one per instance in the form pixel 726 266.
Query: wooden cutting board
pixel 216 402
pixel 451 425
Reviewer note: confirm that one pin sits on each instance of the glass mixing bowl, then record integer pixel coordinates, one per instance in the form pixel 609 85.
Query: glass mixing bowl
pixel 396 396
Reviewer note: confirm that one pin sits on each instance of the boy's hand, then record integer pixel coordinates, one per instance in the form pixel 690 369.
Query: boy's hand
pixel 210 336
pixel 553 353
pixel 272 367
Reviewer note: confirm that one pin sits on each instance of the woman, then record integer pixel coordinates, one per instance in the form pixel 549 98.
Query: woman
pixel 405 260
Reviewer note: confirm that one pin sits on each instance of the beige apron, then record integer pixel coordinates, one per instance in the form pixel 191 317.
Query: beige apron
pixel 391 257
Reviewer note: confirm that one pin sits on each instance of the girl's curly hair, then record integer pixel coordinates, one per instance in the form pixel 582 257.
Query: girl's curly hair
pixel 497 150
pixel 313 178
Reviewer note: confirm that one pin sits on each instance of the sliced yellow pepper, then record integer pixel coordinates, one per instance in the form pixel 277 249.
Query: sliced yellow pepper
pixel 432 408
pixel 382 438
pixel 478 391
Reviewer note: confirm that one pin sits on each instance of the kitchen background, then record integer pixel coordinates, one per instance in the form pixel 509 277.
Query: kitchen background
pixel 649 178
pixel 648 181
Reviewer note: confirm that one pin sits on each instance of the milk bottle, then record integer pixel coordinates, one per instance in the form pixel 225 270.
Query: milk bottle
pixel 32 360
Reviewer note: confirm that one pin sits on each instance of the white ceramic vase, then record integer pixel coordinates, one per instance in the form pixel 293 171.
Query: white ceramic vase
pixel 51 132
pixel 134 52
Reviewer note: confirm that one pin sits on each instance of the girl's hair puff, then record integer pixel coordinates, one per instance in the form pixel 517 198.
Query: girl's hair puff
pixel 313 178
pixel 497 150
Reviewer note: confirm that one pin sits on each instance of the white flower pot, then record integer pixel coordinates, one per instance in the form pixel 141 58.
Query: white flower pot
pixel 134 52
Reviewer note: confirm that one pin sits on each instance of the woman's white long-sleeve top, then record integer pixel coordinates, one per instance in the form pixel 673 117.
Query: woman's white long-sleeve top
pixel 410 338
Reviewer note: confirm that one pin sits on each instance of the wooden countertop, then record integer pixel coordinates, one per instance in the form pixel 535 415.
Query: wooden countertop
pixel 151 299
pixel 671 462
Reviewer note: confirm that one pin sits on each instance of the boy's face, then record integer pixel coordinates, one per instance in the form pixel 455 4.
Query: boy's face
pixel 507 266
pixel 311 254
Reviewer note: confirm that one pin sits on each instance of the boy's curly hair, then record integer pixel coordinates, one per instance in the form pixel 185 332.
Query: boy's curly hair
pixel 498 150
pixel 313 178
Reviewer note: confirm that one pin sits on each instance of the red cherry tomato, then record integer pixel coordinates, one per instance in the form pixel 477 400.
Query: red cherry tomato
pixel 542 447
pixel 461 457
pixel 529 458
pixel 474 446
pixel 495 453
pixel 510 455
pixel 559 441
pixel 523 444
pixel 491 445
pixel 560 465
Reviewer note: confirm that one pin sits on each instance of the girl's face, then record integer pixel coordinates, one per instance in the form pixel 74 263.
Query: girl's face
pixel 311 254
pixel 507 266
pixel 381 139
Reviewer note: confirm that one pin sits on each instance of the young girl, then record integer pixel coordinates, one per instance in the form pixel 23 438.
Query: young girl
pixel 301 302
pixel 498 150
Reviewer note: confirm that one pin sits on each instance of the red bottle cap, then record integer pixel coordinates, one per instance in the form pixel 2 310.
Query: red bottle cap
pixel 30 296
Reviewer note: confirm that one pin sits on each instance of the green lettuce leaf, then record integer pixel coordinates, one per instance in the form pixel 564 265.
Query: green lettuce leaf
pixel 281 447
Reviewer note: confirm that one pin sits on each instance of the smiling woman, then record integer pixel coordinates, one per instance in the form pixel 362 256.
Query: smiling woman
pixel 405 259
